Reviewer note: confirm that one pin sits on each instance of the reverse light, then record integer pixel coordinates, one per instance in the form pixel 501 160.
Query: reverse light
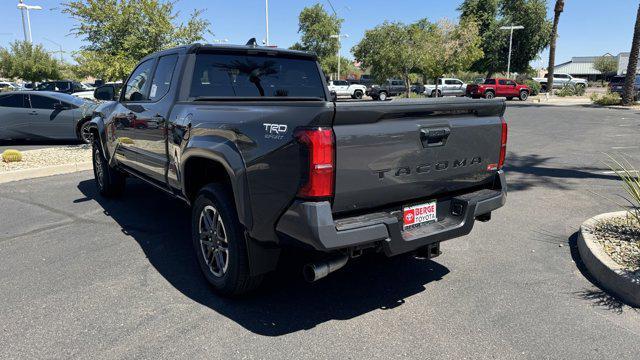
pixel 319 150
pixel 503 144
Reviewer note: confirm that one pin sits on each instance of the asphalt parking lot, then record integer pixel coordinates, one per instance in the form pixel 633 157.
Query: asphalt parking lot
pixel 85 277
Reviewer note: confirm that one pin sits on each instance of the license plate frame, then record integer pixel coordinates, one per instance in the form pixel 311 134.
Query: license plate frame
pixel 417 215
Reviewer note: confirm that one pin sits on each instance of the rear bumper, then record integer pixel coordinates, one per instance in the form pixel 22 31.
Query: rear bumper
pixel 312 223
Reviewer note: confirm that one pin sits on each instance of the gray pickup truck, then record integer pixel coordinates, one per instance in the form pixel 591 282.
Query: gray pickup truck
pixel 249 137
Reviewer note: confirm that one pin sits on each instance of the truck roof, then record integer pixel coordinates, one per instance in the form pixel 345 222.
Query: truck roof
pixel 198 48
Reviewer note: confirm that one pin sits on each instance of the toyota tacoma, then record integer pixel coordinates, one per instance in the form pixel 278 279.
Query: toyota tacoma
pixel 250 138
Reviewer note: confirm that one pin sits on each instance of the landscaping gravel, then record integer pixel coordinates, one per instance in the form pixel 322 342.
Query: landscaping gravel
pixel 49 157
pixel 620 239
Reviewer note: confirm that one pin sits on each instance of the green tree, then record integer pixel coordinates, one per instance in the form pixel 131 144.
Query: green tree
pixel 450 48
pixel 28 61
pixel 606 64
pixel 490 15
pixel 316 27
pixel 392 49
pixel 121 32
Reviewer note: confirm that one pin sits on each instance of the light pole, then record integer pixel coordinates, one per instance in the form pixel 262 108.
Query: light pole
pixel 266 12
pixel 339 36
pixel 510 28
pixel 60 51
pixel 25 8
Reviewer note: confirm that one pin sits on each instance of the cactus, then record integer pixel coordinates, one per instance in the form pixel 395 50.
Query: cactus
pixel 11 155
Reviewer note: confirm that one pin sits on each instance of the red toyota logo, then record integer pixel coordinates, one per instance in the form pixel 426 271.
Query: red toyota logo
pixel 409 217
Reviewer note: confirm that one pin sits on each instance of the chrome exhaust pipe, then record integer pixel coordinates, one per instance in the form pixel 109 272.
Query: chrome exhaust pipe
pixel 316 271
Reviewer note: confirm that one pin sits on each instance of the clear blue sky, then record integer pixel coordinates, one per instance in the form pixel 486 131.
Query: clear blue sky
pixel 587 27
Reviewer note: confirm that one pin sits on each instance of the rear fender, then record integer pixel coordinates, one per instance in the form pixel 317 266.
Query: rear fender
pixel 224 152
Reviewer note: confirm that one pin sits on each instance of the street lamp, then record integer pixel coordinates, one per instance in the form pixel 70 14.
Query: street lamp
pixel 266 13
pixel 510 28
pixel 25 8
pixel 339 37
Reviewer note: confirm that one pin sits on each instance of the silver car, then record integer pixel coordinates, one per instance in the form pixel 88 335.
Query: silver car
pixel 29 115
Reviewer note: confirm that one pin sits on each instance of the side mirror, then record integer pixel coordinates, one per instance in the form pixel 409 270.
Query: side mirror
pixel 105 92
pixel 334 95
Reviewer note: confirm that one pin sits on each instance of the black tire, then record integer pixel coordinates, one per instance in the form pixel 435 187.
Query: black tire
pixel 489 95
pixel 234 277
pixel 543 88
pixel 382 96
pixel 357 94
pixel 110 181
pixel 84 132
pixel 524 95
pixel 433 93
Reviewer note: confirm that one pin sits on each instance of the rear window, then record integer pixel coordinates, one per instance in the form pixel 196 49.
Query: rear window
pixel 218 75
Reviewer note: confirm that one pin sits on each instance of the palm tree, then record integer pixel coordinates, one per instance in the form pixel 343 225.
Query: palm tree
pixel 629 81
pixel 552 46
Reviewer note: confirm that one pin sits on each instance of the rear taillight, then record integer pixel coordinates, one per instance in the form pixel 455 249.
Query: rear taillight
pixel 503 144
pixel 319 152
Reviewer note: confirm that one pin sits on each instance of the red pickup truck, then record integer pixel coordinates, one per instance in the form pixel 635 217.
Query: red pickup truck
pixel 498 87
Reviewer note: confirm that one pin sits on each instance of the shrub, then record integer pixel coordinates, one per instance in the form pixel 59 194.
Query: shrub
pixel 125 140
pixel 11 155
pixel 534 87
pixel 606 99
pixel 630 183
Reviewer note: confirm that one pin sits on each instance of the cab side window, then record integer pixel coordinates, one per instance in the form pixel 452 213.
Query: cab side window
pixel 43 102
pixel 502 82
pixel 137 88
pixel 162 77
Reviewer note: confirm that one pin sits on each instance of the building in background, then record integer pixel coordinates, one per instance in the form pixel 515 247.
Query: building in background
pixel 582 66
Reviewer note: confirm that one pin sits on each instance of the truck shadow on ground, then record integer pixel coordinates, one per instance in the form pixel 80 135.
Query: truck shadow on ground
pixel 532 170
pixel 285 303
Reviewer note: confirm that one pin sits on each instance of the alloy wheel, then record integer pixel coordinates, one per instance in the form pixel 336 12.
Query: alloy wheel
pixel 213 241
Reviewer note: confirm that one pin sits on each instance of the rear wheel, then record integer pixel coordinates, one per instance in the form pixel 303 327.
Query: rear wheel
pixel 357 94
pixel 489 95
pixel 382 96
pixel 110 181
pixel 433 93
pixel 524 95
pixel 219 242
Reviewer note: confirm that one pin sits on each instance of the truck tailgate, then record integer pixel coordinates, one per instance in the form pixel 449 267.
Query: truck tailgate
pixel 399 151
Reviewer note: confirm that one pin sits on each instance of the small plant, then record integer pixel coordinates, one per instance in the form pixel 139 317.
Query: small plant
pixel 11 155
pixel 606 99
pixel 631 184
pixel 570 90
pixel 125 140
pixel 534 87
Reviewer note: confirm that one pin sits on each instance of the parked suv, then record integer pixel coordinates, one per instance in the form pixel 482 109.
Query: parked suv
pixel 616 85
pixel 560 81
pixel 446 87
pixel 249 137
pixel 492 88
pixel 63 86
pixel 392 87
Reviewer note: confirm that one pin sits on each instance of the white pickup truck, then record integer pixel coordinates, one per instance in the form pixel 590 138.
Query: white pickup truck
pixel 446 87
pixel 560 81
pixel 343 88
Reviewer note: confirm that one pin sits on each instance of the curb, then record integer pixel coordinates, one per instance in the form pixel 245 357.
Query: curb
pixel 608 274
pixel 24 174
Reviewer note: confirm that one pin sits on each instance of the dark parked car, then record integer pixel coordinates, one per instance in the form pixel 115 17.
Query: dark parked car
pixel 44 115
pixel 392 87
pixel 249 137
pixel 63 86
pixel 617 85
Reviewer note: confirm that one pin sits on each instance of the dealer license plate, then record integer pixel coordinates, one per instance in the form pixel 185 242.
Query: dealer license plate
pixel 414 216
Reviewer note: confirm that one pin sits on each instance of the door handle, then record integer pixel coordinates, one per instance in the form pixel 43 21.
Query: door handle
pixel 434 137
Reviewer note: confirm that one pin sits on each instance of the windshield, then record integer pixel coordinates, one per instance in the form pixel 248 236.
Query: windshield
pixel 218 75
